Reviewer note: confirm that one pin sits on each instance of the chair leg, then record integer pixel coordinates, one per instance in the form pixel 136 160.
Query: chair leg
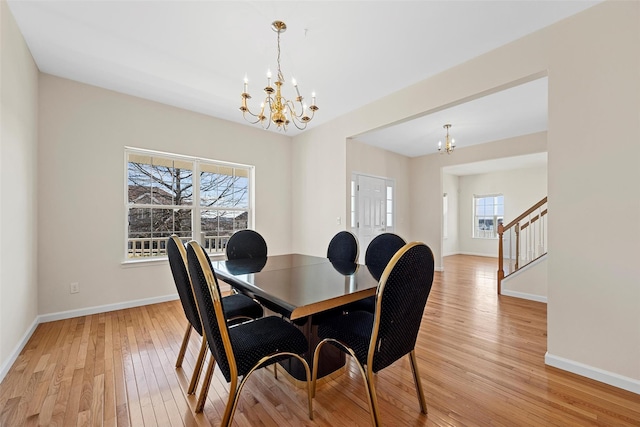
pixel 416 380
pixel 197 370
pixel 314 375
pixel 234 394
pixel 205 385
pixel 367 378
pixel 183 348
pixel 235 389
pixel 373 398
pixel 309 385
pixel 275 370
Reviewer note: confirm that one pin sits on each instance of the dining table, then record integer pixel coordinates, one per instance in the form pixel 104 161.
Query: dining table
pixel 304 289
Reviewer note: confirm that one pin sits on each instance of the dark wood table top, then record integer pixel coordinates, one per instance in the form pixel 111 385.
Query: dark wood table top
pixel 302 285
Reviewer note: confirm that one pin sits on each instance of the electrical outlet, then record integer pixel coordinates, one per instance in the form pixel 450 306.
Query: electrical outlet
pixel 74 288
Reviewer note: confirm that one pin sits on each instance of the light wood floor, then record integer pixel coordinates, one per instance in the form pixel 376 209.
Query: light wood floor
pixel 481 360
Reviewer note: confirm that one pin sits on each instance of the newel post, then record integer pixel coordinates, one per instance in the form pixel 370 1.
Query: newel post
pixel 500 258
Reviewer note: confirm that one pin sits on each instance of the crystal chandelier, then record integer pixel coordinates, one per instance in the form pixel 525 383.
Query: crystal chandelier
pixel 276 108
pixel 449 144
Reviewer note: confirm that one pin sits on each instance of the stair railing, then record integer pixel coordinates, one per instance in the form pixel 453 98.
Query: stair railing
pixel 522 241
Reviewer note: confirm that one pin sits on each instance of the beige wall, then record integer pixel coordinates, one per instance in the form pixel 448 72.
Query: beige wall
pixel 531 283
pixel 522 188
pixel 18 196
pixel 594 273
pixel 83 132
pixel 367 160
pixel 451 243
pixel 592 61
pixel 426 172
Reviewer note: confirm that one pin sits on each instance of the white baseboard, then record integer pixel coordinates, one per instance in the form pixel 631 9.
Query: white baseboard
pixel 479 254
pixel 104 308
pixel 4 369
pixel 597 374
pixel 523 295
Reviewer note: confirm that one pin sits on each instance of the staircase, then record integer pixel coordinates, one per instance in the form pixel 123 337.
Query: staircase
pixel 522 241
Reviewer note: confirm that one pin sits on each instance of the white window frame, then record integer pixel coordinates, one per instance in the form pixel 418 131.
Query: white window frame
pixel 212 248
pixel 476 232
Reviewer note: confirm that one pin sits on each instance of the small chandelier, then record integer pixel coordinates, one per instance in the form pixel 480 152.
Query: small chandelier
pixel 276 108
pixel 449 144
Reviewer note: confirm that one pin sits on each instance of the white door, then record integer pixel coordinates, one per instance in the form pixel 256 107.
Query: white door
pixel 373 209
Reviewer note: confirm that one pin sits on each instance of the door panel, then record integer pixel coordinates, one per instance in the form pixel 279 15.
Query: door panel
pixel 371 200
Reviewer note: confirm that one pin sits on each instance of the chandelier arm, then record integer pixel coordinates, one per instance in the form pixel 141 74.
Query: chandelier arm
pixel 303 127
pixel 253 122
pixel 293 111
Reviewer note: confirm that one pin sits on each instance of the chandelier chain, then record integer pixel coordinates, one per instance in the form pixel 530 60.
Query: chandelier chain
pixel 280 76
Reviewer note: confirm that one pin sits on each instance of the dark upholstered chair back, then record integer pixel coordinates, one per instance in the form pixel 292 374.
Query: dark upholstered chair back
pixel 382 248
pixel 178 262
pixel 400 301
pixel 246 244
pixel 343 247
pixel 207 293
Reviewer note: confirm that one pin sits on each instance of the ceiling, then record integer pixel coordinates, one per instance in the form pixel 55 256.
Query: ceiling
pixel 195 54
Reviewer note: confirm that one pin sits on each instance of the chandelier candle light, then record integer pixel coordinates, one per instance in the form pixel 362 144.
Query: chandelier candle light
pixel 449 144
pixel 276 108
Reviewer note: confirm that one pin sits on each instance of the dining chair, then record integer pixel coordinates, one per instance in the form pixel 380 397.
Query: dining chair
pixel 240 349
pixel 378 254
pixel 236 306
pixel 382 248
pixel 343 247
pixel 246 244
pixel 376 340
pixel 249 244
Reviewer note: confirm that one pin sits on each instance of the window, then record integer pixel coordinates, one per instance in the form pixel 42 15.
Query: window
pixel 353 203
pixel 445 216
pixel 488 214
pixel 389 206
pixel 198 199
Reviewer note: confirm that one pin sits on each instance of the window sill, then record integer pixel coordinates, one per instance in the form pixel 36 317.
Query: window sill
pixel 138 262
pixel 143 262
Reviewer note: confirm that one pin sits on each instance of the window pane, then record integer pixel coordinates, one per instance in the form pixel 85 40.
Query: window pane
pixel 150 228
pixel 139 182
pixel 217 226
pixel 171 184
pixel 223 187
pixel 159 181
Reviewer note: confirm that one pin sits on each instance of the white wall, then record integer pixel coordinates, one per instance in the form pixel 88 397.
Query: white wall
pixel 18 195
pixel 83 132
pixel 592 62
pixel 522 188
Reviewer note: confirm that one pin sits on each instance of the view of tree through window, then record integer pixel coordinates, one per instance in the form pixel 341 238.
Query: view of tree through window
pixel 193 198
pixel 488 214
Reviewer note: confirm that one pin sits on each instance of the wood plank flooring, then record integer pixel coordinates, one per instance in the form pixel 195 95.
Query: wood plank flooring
pixel 481 360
